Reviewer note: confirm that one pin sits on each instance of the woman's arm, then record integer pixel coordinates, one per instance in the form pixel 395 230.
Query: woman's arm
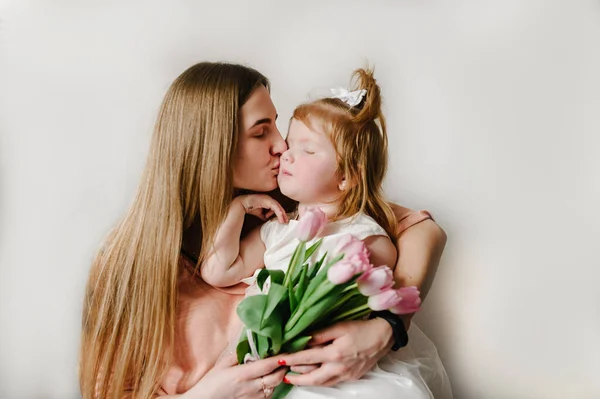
pixel 420 249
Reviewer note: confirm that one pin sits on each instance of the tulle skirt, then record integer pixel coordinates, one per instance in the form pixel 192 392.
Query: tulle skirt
pixel 413 372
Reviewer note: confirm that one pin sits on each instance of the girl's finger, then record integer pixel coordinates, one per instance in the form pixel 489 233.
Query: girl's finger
pixel 277 209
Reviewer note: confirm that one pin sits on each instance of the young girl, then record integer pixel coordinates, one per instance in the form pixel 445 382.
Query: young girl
pixel 336 160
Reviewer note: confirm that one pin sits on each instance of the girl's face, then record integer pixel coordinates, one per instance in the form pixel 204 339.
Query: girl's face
pixel 256 162
pixel 308 171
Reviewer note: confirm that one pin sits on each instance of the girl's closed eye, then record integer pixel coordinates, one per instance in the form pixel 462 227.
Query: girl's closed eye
pixel 308 151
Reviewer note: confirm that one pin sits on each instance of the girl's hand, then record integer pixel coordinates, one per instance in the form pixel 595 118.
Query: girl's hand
pixel 262 206
pixel 228 380
pixel 352 348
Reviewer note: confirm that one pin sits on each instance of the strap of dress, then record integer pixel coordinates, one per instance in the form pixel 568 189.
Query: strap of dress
pixel 412 218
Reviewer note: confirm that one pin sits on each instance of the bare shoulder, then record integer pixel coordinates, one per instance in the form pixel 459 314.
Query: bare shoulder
pixel 400 211
pixel 426 232
pixel 422 229
pixel 382 250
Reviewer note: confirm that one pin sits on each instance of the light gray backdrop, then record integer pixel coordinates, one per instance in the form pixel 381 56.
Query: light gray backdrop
pixel 493 110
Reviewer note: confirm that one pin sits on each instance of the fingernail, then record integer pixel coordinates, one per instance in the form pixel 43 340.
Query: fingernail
pixel 281 362
pixel 285 379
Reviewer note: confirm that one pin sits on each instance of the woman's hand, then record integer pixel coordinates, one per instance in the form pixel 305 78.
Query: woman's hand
pixel 353 349
pixel 228 380
pixel 262 206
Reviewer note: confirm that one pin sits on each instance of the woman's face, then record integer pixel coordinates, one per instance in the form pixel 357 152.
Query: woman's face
pixel 256 162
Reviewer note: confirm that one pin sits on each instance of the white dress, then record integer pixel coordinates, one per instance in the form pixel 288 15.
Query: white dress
pixel 412 372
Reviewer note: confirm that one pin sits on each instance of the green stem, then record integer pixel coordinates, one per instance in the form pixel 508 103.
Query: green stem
pixel 352 312
pixel 346 298
pixel 288 274
pixel 350 287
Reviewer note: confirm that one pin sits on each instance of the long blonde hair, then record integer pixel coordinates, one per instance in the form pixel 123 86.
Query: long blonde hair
pixel 129 306
pixel 359 137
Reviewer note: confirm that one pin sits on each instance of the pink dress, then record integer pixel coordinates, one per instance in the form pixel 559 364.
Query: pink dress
pixel 207 323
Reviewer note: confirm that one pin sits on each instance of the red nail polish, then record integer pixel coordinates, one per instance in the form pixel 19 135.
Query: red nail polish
pixel 281 362
pixel 286 380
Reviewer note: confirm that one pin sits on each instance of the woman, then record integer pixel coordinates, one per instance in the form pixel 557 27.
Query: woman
pixel 151 326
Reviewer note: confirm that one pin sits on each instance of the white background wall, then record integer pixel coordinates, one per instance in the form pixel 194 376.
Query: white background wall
pixel 494 121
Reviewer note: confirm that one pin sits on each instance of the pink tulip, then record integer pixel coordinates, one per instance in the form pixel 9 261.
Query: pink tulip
pixel 410 301
pixel 311 223
pixel 384 300
pixel 341 272
pixel 350 245
pixel 354 251
pixel 375 281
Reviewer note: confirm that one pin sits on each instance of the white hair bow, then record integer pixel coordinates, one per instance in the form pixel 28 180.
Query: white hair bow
pixel 352 98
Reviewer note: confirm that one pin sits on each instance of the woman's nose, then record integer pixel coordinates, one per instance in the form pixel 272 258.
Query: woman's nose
pixel 278 146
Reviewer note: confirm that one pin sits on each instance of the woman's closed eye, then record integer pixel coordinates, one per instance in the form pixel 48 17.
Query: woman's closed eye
pixel 261 132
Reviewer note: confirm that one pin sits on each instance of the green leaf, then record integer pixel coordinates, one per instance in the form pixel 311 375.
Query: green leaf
pixel 262 277
pixel 251 312
pixel 308 253
pixel 242 348
pixel 276 303
pixel 314 269
pixel 277 277
pixel 288 275
pixel 351 300
pixel 275 296
pixel 302 283
pixel 312 249
pixel 320 277
pixel 296 261
pixel 297 344
pixel 292 298
pixel 308 316
pixel 309 301
pixel 281 391
pixel 296 276
pixel 262 345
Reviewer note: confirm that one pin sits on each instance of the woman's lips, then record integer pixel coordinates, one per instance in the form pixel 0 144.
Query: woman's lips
pixel 275 169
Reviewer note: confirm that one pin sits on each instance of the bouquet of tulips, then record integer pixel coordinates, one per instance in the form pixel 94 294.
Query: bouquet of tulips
pixel 310 296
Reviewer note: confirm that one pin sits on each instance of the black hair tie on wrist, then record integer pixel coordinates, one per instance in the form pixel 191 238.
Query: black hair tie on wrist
pixel 399 331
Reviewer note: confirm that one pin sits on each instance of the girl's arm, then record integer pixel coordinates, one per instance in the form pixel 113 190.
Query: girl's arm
pixel 382 251
pixel 230 260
